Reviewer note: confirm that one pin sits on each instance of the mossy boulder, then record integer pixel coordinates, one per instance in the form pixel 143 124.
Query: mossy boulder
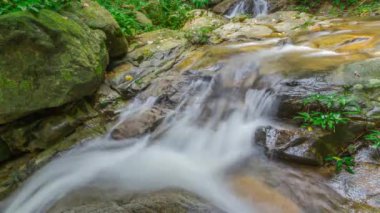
pixel 204 19
pixel 47 60
pixel 96 17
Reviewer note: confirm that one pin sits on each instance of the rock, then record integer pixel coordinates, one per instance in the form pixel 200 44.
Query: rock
pixel 13 173
pixel 242 32
pixel 39 134
pixel 308 147
pixel 46 61
pixel 142 19
pixel 153 53
pixel 166 201
pixel 224 6
pixel 293 91
pixel 138 123
pixel 5 152
pixel 288 22
pixel 264 197
pixel 362 72
pixel 363 186
pixel 290 144
pixel 98 18
pixel 203 19
pixel 107 99
pixel 276 5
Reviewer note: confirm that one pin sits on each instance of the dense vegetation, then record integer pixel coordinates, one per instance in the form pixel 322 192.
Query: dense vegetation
pixel 171 14
pixel 163 13
pixel 354 7
pixel 8 6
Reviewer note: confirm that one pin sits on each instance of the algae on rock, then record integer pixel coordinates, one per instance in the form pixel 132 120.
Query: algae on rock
pixel 47 60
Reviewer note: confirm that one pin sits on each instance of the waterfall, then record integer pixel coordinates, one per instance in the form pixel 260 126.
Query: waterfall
pixel 190 155
pixel 261 7
pixel 255 7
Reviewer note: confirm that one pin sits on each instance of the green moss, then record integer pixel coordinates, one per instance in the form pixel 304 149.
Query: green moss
pixel 57 60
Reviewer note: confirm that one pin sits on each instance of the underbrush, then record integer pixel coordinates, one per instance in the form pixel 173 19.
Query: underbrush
pixel 9 6
pixel 340 7
pixel 170 14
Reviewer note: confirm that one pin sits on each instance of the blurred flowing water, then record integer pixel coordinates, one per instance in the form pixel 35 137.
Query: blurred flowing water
pixel 210 132
pixel 255 7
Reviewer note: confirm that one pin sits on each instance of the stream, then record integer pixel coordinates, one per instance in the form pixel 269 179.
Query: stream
pixel 207 144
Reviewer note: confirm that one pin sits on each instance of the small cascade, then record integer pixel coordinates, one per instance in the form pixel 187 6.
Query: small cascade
pixel 254 7
pixel 200 153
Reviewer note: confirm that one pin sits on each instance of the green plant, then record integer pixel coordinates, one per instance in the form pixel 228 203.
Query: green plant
pixel 374 137
pixel 345 162
pixel 333 110
pixel 366 8
pixel 34 6
pixel 199 36
pixel 124 13
pixel 325 120
pixel 200 3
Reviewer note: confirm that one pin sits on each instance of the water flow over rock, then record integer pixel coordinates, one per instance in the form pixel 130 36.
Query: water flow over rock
pixel 255 7
pixel 210 131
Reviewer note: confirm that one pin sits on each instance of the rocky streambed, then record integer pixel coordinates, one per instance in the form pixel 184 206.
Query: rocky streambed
pixel 246 65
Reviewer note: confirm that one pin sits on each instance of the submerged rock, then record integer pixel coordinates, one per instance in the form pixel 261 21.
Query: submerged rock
pixel 46 61
pixel 137 124
pixel 168 201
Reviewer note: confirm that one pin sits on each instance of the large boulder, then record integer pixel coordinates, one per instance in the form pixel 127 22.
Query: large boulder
pixel 204 19
pixel 47 60
pixel 96 17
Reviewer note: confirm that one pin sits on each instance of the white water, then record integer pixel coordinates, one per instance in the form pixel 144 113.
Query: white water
pixel 193 154
pixel 260 8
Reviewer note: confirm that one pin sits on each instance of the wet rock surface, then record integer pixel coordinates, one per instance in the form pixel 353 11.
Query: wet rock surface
pixel 164 202
pixel 162 64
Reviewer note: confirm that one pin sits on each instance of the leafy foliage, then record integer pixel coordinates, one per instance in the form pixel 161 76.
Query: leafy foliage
pixel 200 3
pixel 366 8
pixel 124 14
pixel 163 13
pixel 345 162
pixel 170 14
pixel 324 120
pixel 374 137
pixel 333 110
pixel 8 6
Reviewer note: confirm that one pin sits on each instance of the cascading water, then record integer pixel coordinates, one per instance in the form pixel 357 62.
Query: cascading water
pixel 189 155
pixel 255 7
